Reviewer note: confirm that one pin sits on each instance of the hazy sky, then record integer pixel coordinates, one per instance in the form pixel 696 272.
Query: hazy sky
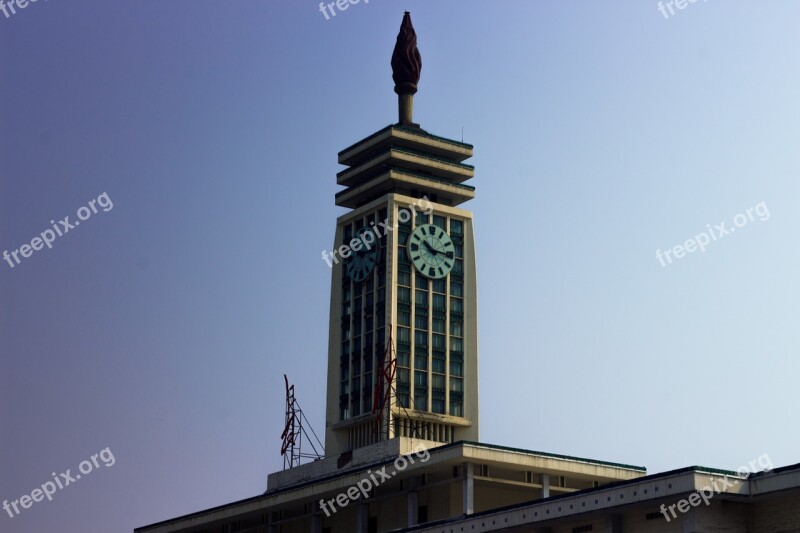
pixel 603 132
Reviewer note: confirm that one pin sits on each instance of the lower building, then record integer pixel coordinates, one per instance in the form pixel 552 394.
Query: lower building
pixel 415 485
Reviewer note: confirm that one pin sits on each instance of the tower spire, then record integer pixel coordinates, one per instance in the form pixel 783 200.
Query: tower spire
pixel 406 68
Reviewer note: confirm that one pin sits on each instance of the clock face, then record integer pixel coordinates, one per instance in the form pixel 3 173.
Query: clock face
pixel 431 251
pixel 362 262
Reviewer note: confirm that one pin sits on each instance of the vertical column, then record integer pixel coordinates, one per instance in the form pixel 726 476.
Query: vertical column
pixel 316 519
pixel 362 518
pixel 544 479
pixel 689 521
pixel 413 508
pixel 468 490
pixel 612 524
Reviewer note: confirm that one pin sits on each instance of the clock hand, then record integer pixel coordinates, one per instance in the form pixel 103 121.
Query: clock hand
pixel 430 248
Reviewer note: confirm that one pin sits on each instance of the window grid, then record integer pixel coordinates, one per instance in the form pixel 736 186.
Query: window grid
pixel 363 325
pixel 436 325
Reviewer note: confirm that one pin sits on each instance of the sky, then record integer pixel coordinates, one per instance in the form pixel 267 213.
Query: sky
pixel 197 142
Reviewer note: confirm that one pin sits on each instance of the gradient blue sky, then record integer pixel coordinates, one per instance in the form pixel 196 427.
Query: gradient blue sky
pixel 602 132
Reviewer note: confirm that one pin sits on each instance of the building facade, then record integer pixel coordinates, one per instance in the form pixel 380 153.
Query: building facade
pixel 413 291
pixel 402 449
pixel 403 350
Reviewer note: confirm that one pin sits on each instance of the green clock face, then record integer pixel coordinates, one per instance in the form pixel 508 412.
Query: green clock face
pixel 362 262
pixel 431 251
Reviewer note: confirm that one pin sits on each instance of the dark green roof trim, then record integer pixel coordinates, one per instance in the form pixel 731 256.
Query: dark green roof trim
pixel 424 133
pixel 408 152
pixel 415 131
pixel 365 139
pixel 616 484
pixel 432 158
pixel 410 173
pixel 553 455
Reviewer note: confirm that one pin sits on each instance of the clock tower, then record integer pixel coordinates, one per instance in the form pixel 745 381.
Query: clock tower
pixel 403 345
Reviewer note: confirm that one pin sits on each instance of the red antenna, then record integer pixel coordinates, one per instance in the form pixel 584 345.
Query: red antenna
pixel 383 388
pixel 293 432
pixel 383 394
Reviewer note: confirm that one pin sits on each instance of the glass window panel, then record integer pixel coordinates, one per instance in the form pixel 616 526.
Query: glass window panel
pixel 456 289
pixel 420 401
pixel 404 335
pixel 404 278
pixel 403 375
pixel 380 339
pixel 456 344
pixel 404 295
pixel 440 285
pixel 404 216
pixel 404 318
pixel 402 238
pixel 437 405
pixel 438 342
pixel 421 298
pixel 420 338
pixel 404 359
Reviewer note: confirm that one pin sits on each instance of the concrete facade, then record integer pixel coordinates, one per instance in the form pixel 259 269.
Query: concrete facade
pixel 766 502
pixel 395 170
pixel 423 469
pixel 433 483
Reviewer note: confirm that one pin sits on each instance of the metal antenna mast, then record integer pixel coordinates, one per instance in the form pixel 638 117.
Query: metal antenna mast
pixel 381 404
pixel 293 431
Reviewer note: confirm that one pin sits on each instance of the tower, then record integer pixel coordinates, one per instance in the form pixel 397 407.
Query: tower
pixel 402 351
